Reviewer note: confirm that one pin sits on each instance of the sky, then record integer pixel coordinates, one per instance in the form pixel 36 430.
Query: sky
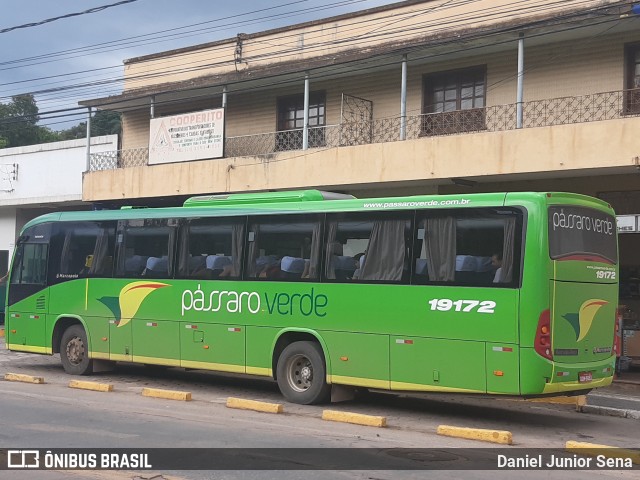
pixel 54 56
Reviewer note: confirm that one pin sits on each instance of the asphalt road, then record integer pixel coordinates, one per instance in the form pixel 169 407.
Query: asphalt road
pixel 54 416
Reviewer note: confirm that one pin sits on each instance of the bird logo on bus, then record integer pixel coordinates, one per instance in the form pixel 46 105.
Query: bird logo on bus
pixel 582 321
pixel 125 306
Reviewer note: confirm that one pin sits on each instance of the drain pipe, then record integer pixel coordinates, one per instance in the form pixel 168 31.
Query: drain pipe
pixel 403 100
pixel 88 166
pixel 520 94
pixel 305 127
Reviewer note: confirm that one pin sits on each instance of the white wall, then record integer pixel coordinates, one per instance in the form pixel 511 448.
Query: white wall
pixel 49 172
pixel 43 178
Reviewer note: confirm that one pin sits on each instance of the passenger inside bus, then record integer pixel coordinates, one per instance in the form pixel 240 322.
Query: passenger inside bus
pixel 496 263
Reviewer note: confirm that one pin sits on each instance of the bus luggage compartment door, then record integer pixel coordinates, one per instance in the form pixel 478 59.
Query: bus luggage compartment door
pixel 582 321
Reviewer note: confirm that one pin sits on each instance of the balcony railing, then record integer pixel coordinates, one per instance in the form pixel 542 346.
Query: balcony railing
pixel 539 113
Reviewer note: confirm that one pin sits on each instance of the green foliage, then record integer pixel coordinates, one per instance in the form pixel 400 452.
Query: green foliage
pixel 19 124
pixel 74 133
pixel 18 121
pixel 106 122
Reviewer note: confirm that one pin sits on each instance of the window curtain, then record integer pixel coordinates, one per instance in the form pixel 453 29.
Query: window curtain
pixel 171 248
pixel 506 274
pixel 253 252
pixel 440 243
pixel 183 252
pixel 314 257
pixel 332 250
pixel 121 249
pixel 385 253
pixel 100 252
pixel 65 258
pixel 237 240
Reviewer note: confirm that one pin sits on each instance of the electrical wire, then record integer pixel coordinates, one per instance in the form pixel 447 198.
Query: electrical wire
pixel 282 53
pixel 68 15
pixel 47 115
pixel 104 82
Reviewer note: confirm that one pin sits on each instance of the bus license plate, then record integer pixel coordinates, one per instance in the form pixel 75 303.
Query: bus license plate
pixel 585 377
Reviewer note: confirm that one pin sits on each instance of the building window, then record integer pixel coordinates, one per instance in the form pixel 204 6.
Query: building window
pixel 454 102
pixel 291 121
pixel 632 79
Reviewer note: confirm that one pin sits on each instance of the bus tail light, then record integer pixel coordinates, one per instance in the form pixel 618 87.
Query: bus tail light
pixel 542 342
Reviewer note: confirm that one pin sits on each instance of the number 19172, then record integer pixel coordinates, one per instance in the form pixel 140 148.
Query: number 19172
pixel 609 274
pixel 478 306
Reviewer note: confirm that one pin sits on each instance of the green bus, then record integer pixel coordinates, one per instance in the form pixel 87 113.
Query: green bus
pixel 494 293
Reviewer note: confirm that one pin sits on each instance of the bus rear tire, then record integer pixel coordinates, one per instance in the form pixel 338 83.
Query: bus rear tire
pixel 74 351
pixel 301 374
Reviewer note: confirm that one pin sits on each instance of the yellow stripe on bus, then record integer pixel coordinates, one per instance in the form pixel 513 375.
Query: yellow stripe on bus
pixel 265 372
pixel 417 387
pixel 568 386
pixel 220 367
pixel 28 348
pixel 156 361
pixel 358 381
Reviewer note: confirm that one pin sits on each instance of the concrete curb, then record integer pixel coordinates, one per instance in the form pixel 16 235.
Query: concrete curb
pixel 611 412
pixel 355 418
pixel 166 394
pixel 95 386
pixel 19 377
pixel 502 437
pixel 594 450
pixel 254 405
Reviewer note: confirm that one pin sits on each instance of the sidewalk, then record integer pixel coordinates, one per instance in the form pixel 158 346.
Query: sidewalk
pixel 621 399
pixel 629 378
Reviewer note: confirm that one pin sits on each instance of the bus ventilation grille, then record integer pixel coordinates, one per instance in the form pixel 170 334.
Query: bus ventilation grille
pixel 40 303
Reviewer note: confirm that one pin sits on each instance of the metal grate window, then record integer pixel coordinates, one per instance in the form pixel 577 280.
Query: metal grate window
pixel 632 80
pixel 454 101
pixel 291 121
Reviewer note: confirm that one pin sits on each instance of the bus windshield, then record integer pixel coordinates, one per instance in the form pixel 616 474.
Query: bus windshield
pixel 581 233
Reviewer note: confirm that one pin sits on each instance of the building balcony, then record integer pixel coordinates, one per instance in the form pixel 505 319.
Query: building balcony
pixel 352 132
pixel 568 136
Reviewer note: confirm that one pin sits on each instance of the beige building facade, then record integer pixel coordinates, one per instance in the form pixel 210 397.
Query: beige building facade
pixel 413 97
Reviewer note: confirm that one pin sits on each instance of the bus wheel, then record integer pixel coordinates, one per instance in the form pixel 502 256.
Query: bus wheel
pixel 74 351
pixel 301 374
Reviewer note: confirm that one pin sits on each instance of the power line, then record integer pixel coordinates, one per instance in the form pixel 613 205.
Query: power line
pixel 443 25
pixel 68 15
pixel 329 73
pixel 352 25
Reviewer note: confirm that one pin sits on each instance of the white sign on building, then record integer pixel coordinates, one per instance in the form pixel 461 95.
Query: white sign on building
pixel 627 223
pixel 186 137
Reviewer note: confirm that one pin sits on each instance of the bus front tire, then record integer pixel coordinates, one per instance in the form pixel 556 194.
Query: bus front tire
pixel 74 351
pixel 301 374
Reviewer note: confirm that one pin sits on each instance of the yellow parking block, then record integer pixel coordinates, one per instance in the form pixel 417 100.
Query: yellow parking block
pixel 356 418
pixel 95 386
pixel 254 405
pixel 494 436
pixel 167 394
pixel 594 450
pixel 19 377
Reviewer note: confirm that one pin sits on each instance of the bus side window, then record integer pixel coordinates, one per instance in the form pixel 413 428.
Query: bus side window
pixel 82 249
pixel 285 248
pixel 211 249
pixel 368 248
pixel 467 247
pixel 146 249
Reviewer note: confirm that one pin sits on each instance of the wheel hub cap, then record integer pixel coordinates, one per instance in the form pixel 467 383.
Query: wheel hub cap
pixel 75 351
